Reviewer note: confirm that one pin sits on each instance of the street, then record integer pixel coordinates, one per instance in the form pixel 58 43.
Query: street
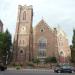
pixel 32 72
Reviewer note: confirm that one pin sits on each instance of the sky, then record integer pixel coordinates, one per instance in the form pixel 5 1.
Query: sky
pixel 55 12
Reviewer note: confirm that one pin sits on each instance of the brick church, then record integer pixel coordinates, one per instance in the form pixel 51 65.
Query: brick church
pixel 40 42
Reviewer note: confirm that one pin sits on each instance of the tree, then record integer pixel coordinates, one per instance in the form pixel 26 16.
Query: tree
pixel 73 39
pixel 1 44
pixel 5 45
pixel 72 47
pixel 53 60
pixel 50 60
pixel 37 61
pixel 8 44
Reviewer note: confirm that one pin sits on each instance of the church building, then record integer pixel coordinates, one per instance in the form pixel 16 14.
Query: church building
pixel 40 41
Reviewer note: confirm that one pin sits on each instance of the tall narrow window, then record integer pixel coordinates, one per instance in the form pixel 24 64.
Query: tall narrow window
pixel 19 41
pixel 42 53
pixel 24 15
pixel 23 42
pixel 42 47
pixel 42 43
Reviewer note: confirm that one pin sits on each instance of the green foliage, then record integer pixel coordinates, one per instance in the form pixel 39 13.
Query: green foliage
pixel 30 64
pixel 73 56
pixel 5 44
pixel 8 44
pixel 18 66
pixel 8 40
pixel 50 60
pixel 73 39
pixel 72 47
pixel 1 42
pixel 53 59
pixel 36 61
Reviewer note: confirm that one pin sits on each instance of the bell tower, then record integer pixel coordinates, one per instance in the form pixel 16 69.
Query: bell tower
pixel 23 41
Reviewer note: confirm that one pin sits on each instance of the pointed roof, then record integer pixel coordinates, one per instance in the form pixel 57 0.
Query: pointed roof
pixel 43 23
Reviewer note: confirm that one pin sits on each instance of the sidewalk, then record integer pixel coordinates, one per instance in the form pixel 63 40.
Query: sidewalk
pixel 14 69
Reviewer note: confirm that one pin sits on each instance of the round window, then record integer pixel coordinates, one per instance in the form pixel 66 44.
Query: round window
pixel 61 53
pixel 42 30
pixel 21 51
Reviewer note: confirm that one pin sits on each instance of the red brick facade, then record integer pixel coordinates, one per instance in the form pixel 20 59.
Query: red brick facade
pixel 39 42
pixel 42 32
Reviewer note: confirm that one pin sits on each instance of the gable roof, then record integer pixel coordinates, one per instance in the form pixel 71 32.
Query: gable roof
pixel 42 22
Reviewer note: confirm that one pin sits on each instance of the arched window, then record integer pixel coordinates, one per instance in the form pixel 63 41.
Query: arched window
pixel 23 42
pixel 19 41
pixel 42 47
pixel 61 53
pixel 42 43
pixel 24 15
pixel 21 51
pixel 42 30
pixel 42 53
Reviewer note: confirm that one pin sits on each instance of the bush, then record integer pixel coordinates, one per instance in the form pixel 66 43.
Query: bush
pixel 30 64
pixel 18 67
pixel 50 60
pixel 37 61
pixel 13 64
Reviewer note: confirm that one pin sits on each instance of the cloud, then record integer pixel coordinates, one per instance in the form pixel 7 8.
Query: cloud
pixel 55 12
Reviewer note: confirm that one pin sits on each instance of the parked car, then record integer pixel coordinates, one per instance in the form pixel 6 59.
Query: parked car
pixel 64 69
pixel 2 67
